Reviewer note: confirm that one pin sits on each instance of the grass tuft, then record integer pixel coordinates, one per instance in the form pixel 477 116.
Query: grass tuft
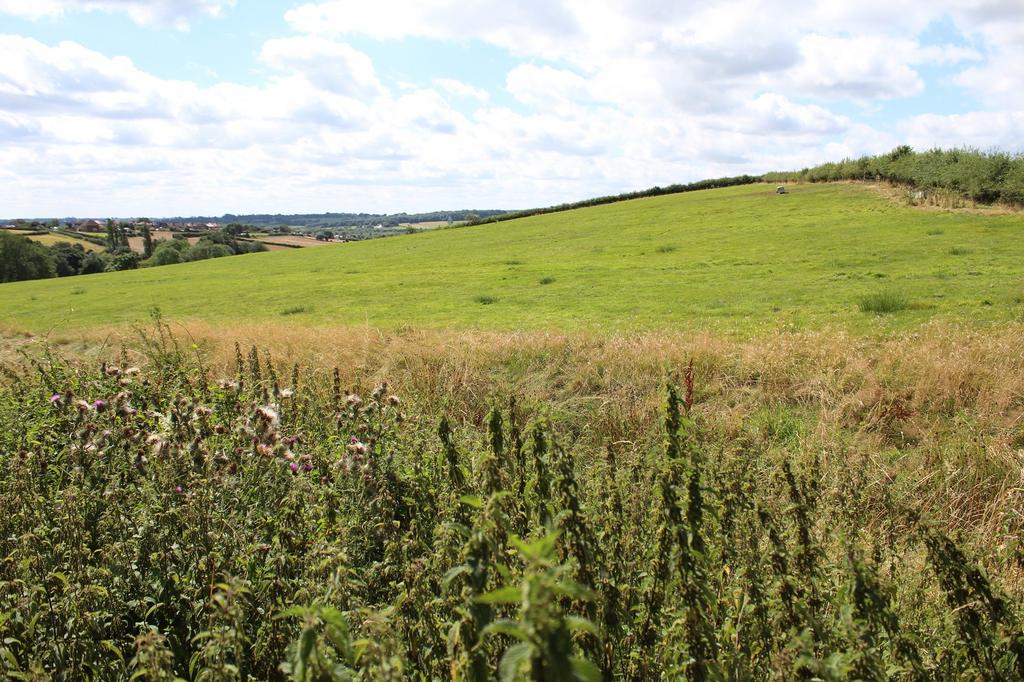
pixel 547 280
pixel 884 302
pixel 295 310
pixel 485 299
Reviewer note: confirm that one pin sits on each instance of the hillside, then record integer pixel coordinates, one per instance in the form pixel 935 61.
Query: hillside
pixel 737 259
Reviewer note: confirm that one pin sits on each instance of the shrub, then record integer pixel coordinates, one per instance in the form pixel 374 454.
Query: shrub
pixel 169 252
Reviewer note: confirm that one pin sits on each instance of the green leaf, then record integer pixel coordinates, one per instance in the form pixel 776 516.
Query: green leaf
pixel 503 626
pixel 516 658
pixel 453 573
pixel 577 624
pixel 510 594
pixel 472 501
pixel 584 670
pixel 540 548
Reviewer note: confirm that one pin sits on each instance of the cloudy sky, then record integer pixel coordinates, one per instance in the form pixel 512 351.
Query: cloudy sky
pixel 167 107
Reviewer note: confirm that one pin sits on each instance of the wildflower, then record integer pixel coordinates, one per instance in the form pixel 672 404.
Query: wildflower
pixel 307 466
pixel 264 450
pixel 55 398
pixel 82 406
pixel 203 411
pixel 268 415
pixel 287 393
pixel 353 400
pixel 294 466
pixel 100 405
pixel 394 401
pixel 160 446
pixel 113 371
pixel 178 489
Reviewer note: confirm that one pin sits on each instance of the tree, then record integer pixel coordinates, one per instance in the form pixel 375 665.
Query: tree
pixel 93 263
pixel 324 236
pixel 22 258
pixel 67 258
pixel 235 229
pixel 203 250
pixel 169 252
pixel 147 241
pixel 123 260
pixel 112 242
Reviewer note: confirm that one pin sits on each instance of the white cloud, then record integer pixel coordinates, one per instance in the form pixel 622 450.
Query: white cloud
pixel 982 129
pixel 607 96
pixel 176 13
pixel 331 66
pixel 457 88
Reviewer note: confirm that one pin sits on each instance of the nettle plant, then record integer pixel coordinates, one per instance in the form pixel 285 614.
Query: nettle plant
pixel 163 522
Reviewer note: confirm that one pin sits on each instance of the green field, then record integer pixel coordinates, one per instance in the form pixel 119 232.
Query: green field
pixel 740 260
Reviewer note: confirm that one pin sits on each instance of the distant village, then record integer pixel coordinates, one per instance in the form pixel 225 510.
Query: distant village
pixel 98 226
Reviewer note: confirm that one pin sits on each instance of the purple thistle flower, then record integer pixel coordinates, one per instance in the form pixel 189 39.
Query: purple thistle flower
pixel 178 489
pixel 55 398
pixel 307 466
pixel 100 405
pixel 353 440
pixel 294 466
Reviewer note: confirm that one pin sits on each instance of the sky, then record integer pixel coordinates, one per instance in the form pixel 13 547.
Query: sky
pixel 205 107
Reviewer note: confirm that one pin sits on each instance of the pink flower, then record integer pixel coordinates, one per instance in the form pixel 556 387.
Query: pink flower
pixel 294 466
pixel 178 489
pixel 55 398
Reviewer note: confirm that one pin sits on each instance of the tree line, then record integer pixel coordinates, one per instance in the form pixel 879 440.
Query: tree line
pixel 21 258
pixel 655 191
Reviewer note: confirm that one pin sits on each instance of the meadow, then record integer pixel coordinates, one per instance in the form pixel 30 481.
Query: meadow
pixel 722 435
pixel 737 260
pixel 51 239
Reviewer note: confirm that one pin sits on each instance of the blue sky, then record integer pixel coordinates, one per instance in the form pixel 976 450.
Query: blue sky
pixel 157 107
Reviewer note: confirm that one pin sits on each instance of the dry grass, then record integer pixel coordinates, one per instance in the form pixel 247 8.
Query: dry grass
pixel 941 201
pixel 289 240
pixel 137 244
pixel 940 410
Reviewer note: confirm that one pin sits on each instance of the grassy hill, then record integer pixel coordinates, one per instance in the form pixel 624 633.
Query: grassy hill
pixel 739 259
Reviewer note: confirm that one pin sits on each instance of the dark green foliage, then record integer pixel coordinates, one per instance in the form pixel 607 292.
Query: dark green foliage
pixel 147 241
pixel 160 524
pixel 122 260
pixel 94 262
pixel 169 252
pixel 67 258
pixel 205 250
pixel 21 259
